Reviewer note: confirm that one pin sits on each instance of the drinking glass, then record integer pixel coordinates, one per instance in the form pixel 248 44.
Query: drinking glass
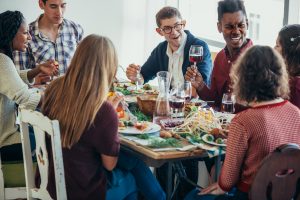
pixel 228 101
pixel 138 80
pixel 187 88
pixel 177 101
pixel 195 55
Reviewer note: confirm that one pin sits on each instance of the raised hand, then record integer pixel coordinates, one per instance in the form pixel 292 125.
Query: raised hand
pixel 192 74
pixel 132 72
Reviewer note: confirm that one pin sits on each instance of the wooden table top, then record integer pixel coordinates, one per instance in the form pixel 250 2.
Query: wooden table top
pixel 156 159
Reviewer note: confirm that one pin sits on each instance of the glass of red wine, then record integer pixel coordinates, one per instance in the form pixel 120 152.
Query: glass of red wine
pixel 228 101
pixel 196 56
pixel 177 101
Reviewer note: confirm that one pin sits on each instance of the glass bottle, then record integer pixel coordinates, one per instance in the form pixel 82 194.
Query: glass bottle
pixel 162 107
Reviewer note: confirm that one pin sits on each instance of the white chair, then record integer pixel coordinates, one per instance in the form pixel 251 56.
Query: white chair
pixel 43 127
pixel 10 192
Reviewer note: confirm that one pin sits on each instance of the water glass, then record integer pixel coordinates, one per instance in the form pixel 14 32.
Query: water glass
pixel 187 88
pixel 228 102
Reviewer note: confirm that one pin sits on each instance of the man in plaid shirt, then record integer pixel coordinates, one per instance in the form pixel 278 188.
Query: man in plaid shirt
pixel 53 38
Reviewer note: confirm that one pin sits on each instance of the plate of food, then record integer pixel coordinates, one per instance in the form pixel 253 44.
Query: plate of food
pixel 169 124
pixel 216 141
pixel 130 128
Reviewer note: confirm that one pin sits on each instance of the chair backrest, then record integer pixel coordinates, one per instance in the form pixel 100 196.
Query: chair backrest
pixel 43 127
pixel 278 178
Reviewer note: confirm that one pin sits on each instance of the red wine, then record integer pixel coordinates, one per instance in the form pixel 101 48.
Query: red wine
pixel 196 58
pixel 177 103
pixel 227 107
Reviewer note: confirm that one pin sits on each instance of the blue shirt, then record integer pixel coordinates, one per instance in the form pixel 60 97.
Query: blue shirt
pixel 41 49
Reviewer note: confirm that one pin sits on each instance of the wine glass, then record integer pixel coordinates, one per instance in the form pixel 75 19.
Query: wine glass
pixel 228 101
pixel 195 55
pixel 177 100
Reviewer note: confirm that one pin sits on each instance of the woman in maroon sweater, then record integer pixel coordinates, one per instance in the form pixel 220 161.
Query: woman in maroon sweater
pixel 260 80
pixel 288 45
pixel 88 123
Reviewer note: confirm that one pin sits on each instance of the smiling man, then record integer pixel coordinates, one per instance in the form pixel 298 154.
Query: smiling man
pixel 173 54
pixel 54 38
pixel 233 24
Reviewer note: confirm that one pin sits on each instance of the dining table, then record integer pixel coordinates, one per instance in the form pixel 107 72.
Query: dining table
pixel 157 158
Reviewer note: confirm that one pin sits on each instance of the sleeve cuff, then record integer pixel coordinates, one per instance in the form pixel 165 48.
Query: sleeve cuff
pixel 24 77
pixel 33 101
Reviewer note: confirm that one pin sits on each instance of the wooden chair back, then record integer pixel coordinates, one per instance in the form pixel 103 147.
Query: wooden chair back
pixel 43 127
pixel 279 175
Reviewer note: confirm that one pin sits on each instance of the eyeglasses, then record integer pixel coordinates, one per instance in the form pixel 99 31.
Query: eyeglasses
pixel 168 29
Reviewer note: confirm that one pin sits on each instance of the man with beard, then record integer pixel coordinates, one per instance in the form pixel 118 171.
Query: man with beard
pixel 233 24
pixel 173 54
pixel 54 38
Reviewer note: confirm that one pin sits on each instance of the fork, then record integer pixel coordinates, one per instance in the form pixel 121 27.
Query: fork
pixel 132 117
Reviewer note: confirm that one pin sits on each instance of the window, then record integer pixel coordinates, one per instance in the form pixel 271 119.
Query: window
pixel 265 20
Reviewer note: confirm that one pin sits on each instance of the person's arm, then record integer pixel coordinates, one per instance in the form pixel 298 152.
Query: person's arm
pixel 109 162
pixel 48 68
pixel 237 145
pixel 152 65
pixel 13 86
pixel 205 67
pixel 106 140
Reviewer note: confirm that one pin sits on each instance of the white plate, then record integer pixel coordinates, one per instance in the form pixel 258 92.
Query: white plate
pixel 131 130
pixel 204 138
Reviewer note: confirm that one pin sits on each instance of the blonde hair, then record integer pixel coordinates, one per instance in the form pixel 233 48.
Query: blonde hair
pixel 75 99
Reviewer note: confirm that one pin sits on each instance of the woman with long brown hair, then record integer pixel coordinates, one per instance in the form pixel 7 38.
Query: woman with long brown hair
pixel 89 125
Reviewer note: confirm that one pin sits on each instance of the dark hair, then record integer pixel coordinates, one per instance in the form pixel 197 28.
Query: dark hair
pixel 289 39
pixel 44 1
pixel 10 22
pixel 230 6
pixel 260 75
pixel 167 13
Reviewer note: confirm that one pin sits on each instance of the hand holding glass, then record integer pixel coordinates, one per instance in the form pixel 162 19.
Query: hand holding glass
pixel 138 79
pixel 196 56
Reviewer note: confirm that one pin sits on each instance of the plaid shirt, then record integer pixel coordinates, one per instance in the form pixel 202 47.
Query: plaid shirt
pixel 41 49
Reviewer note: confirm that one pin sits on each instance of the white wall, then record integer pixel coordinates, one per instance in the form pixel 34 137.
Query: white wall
pixel 130 24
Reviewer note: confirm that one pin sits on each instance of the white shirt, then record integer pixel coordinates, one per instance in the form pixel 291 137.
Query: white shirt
pixel 176 61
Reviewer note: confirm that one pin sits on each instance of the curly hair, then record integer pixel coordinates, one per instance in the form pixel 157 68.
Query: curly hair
pixel 259 75
pixel 167 13
pixel 230 6
pixel 10 22
pixel 289 39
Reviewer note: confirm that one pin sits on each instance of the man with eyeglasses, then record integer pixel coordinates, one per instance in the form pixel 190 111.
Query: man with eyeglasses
pixel 233 24
pixel 173 54
pixel 54 39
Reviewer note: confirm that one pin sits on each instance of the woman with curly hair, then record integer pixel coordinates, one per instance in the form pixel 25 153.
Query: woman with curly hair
pixel 13 90
pixel 288 45
pixel 260 80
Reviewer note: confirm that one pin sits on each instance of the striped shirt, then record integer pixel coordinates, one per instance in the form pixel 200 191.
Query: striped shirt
pixel 41 49
pixel 253 134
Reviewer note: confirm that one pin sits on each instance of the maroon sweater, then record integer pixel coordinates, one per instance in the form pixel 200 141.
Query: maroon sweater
pixel 84 172
pixel 295 91
pixel 220 80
